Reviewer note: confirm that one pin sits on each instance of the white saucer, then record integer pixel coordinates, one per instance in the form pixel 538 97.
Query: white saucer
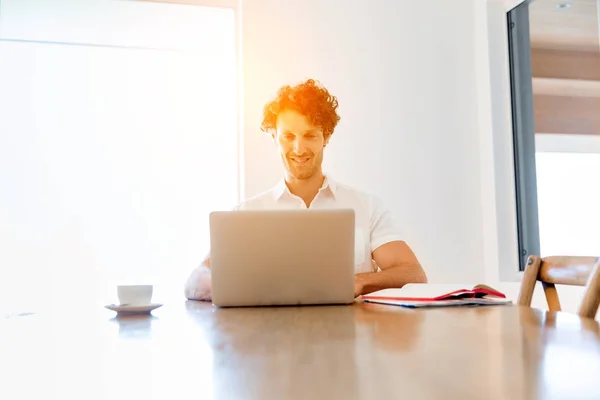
pixel 133 309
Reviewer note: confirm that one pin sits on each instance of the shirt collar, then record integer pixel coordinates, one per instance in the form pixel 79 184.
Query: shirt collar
pixel 281 188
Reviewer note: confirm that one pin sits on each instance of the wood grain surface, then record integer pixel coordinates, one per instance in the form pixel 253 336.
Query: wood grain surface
pixel 191 350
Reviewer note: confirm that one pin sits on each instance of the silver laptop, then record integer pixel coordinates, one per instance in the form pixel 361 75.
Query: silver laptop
pixel 282 257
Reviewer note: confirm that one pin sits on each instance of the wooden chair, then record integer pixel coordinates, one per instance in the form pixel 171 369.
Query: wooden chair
pixel 559 270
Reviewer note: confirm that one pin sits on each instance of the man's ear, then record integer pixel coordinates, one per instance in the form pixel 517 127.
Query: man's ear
pixel 326 141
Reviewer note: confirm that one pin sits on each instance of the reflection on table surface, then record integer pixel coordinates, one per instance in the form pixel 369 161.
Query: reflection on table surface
pixel 195 350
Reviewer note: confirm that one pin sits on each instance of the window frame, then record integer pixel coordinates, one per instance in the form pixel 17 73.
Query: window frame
pixel 523 132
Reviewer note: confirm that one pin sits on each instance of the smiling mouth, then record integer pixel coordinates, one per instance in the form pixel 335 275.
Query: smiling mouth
pixel 300 160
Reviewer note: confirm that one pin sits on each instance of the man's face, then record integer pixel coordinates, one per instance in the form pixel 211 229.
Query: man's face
pixel 300 144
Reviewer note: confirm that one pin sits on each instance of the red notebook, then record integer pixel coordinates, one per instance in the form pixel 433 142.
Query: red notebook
pixel 431 295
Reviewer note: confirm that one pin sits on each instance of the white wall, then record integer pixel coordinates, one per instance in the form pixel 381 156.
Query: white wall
pixel 425 105
pixel 404 73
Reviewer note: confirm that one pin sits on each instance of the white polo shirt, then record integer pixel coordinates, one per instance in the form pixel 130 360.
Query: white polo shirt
pixel 375 225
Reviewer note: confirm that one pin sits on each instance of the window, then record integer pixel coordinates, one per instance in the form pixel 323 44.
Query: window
pixel 555 82
pixel 111 159
pixel 569 215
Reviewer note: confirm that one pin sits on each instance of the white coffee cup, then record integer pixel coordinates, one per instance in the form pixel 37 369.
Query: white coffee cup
pixel 134 294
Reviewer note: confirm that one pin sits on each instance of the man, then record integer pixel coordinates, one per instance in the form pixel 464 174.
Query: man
pixel 301 120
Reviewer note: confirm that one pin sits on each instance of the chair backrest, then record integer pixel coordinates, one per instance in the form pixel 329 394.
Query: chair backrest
pixel 562 270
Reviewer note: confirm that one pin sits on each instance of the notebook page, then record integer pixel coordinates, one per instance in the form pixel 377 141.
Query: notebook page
pixel 423 290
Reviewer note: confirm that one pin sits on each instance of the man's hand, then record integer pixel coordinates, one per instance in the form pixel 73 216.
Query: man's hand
pixel 359 284
pixel 199 284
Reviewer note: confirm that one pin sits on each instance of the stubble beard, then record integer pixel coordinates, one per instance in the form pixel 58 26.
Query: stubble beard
pixel 307 171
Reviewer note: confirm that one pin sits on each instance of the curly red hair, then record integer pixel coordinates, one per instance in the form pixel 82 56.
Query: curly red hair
pixel 310 99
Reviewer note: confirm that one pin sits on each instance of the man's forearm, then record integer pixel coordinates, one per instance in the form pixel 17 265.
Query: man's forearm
pixel 393 277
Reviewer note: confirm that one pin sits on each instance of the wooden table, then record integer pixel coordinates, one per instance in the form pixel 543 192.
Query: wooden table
pixel 194 351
